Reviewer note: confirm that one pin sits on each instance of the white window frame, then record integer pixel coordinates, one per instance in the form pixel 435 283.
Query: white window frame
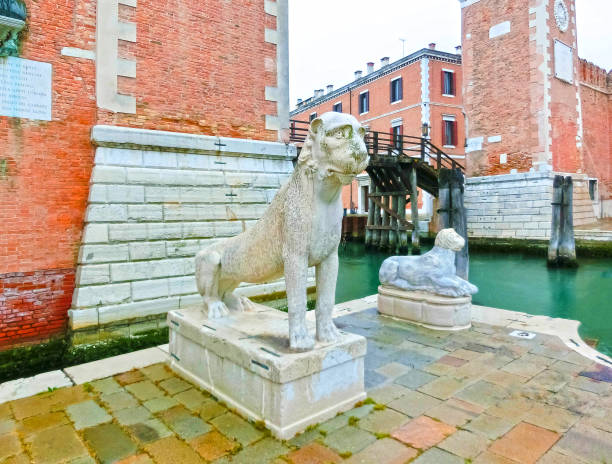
pixel 359 102
pixel 455 80
pixel 337 103
pixel 450 118
pixel 397 101
pixel 310 118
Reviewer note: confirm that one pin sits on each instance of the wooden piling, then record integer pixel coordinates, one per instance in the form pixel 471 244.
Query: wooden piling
pixel 385 221
pixel 403 233
pixel 459 220
pixel 368 232
pixel 567 243
pixel 377 221
pixel 414 208
pixel 555 226
pixel 393 233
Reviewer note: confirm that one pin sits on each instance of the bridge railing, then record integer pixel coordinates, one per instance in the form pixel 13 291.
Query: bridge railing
pixel 382 144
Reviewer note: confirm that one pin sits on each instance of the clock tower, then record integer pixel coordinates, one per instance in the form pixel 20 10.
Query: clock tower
pixel 521 93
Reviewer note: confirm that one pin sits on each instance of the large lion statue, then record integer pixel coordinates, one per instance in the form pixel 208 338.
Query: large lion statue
pixel 434 272
pixel 300 228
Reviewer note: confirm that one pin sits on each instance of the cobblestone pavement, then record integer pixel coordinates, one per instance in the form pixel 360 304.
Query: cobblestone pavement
pixel 476 396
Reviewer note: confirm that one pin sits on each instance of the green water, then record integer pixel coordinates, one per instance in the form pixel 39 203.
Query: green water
pixel 510 281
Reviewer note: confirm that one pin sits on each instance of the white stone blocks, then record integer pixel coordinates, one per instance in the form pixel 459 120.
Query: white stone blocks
pixel 106 213
pixel 103 253
pixel 145 212
pixel 93 274
pixel 149 289
pixel 118 157
pixel 159 159
pixel 108 175
pixel 183 286
pixel 126 232
pixel 96 295
pixel 147 250
pixel 95 233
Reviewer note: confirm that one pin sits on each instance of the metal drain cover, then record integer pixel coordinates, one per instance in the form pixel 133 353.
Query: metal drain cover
pixel 522 334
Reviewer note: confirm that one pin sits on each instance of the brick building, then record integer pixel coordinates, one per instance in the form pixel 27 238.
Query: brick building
pixel 533 109
pixel 131 134
pixel 421 89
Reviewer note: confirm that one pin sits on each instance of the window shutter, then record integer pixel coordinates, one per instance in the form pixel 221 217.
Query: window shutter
pixel 452 80
pixel 367 108
pixel 443 132
pixel 401 131
pixel 401 89
pixel 455 141
pixel 391 92
pixel 443 83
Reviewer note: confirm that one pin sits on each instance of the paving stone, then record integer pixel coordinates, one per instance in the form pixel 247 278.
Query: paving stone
pixel 587 384
pixel 192 399
pixel 505 379
pixel 465 444
pixel 360 412
pixel 438 456
pixel 18 459
pixel 587 443
pixel 554 457
pixel 388 393
pixel 468 355
pixel 157 372
pixel 564 366
pixel 41 422
pixel 423 432
pixel 525 443
pixel 372 379
pixel 87 414
pixel 261 452
pixel 524 368
pixel 7 425
pixel 171 450
pixel 385 451
pixel 489 426
pixel 149 431
pixel 393 370
pixel 491 458
pixel 305 437
pixel 119 400
pixel 211 409
pixel 9 445
pixel 44 445
pixel 174 385
pixel 483 393
pixel 440 369
pixel 132 415
pixel 452 361
pixel 576 358
pixel 383 422
pixel 574 400
pixel 551 417
pixel 160 404
pixel 64 397
pixel 349 440
pixel 5 411
pixel 83 460
pixel 212 445
pixel 454 412
pixel 144 390
pixel 232 426
pixel 334 423
pixel 415 378
pixel 190 427
pixel 513 409
pixel 549 380
pixel 32 406
pixel 414 403
pixel 109 442
pixel 130 377
pixel 106 386
pixel 443 388
pixel 314 453
pixel 137 459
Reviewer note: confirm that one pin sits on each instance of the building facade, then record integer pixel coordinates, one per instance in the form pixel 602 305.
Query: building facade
pixel 420 90
pixel 533 109
pixel 131 134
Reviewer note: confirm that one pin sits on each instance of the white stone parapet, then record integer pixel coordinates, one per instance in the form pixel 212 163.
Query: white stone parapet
pixel 245 361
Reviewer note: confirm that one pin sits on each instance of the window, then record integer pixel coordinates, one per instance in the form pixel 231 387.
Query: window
pixel 593 189
pixel 397 130
pixel 449 131
pixel 312 117
pixel 448 83
pixel 337 107
pixel 396 90
pixel 364 102
pixel 365 197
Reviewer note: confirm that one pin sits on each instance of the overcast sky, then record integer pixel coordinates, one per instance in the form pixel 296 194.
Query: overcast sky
pixel 330 39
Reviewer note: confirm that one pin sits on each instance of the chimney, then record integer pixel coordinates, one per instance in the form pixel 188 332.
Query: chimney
pixel 299 102
pixel 458 49
pixel 330 88
pixel 384 61
pixel 358 74
pixel 432 45
pixel 320 93
pixel 370 67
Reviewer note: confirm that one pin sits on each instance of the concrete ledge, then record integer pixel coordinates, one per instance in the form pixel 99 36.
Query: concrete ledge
pixel 22 388
pixel 426 309
pixel 244 360
pixel 113 136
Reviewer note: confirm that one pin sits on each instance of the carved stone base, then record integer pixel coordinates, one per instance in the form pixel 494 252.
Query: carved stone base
pixel 426 309
pixel 244 360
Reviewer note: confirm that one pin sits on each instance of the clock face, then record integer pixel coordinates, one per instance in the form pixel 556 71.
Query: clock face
pixel 561 15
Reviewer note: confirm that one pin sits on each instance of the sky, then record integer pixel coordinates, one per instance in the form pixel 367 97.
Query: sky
pixel 330 39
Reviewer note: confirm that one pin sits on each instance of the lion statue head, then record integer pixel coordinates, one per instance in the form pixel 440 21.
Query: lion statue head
pixel 449 239
pixel 335 147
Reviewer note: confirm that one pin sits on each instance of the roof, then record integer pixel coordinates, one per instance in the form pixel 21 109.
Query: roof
pixel 390 68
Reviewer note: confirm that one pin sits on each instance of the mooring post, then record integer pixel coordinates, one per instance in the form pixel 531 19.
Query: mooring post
pixel 414 209
pixel 444 199
pixel 371 206
pixel 393 235
pixel 459 221
pixel 555 227
pixel 567 243
pixel 403 234
pixel 384 233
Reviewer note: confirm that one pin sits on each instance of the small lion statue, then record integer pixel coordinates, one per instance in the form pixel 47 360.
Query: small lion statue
pixel 300 228
pixel 434 272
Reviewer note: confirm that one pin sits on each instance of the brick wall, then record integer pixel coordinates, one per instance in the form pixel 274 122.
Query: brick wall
pixel 192 67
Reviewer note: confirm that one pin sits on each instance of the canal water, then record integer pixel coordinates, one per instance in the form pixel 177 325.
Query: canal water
pixel 514 281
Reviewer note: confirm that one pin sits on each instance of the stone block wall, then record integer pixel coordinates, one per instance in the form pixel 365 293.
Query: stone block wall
pixel 519 205
pixel 156 198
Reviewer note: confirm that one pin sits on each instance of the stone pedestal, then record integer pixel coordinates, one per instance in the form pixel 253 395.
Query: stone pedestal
pixel 426 309
pixel 244 360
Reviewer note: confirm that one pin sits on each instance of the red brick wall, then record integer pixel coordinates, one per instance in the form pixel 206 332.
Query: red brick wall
pixel 596 100
pixel 33 304
pixel 202 67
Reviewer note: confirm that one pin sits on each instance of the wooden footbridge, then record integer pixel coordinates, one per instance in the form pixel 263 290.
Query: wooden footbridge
pixel 399 165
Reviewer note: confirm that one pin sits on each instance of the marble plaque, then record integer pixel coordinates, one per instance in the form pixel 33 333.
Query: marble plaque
pixel 25 88
pixel 564 62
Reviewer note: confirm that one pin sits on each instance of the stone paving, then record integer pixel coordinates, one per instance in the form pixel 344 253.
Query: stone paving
pixel 476 396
